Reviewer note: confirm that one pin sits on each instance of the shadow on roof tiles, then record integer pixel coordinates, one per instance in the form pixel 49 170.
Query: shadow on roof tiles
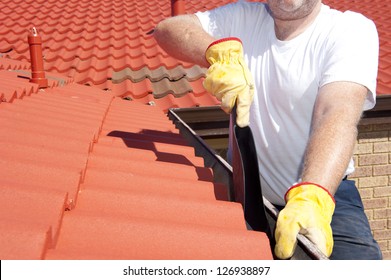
pixel 150 136
pixel 147 142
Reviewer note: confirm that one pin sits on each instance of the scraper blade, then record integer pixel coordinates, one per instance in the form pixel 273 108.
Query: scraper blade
pixel 247 185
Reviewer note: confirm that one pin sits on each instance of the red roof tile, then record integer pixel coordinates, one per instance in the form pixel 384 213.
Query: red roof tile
pixel 170 217
pixel 91 42
pixel 95 43
pixel 377 10
pixel 10 64
pixel 120 168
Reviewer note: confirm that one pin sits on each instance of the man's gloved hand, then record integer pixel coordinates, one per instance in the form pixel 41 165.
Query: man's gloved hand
pixel 229 79
pixel 309 210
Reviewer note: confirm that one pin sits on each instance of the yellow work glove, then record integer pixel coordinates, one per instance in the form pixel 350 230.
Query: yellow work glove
pixel 229 79
pixel 309 210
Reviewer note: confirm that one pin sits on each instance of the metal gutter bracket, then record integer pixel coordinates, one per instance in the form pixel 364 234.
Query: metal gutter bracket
pixel 36 58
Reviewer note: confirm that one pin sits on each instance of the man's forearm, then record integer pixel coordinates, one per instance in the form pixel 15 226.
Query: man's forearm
pixel 334 133
pixel 328 153
pixel 184 38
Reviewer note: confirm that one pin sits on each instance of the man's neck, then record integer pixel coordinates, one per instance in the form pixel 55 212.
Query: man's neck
pixel 288 29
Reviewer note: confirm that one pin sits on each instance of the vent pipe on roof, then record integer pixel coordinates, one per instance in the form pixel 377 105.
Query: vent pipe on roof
pixel 37 71
pixel 177 7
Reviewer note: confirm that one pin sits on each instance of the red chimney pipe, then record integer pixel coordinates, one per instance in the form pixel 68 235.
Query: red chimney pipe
pixel 177 7
pixel 37 71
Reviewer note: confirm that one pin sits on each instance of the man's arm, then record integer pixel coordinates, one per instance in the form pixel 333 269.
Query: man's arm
pixel 184 38
pixel 309 207
pixel 337 112
pixel 228 77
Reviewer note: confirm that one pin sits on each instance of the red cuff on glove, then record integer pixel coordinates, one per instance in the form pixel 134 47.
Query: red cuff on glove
pixel 309 183
pixel 224 40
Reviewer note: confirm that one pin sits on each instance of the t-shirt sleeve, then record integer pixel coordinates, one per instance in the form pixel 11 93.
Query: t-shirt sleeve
pixel 218 22
pixel 234 19
pixel 353 54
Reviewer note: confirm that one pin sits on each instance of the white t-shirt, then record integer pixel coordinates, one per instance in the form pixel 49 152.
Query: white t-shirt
pixel 288 74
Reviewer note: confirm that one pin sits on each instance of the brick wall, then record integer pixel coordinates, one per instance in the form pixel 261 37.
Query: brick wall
pixel 373 177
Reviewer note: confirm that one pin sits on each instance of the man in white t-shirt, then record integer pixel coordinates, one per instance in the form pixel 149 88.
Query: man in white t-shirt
pixel 300 74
